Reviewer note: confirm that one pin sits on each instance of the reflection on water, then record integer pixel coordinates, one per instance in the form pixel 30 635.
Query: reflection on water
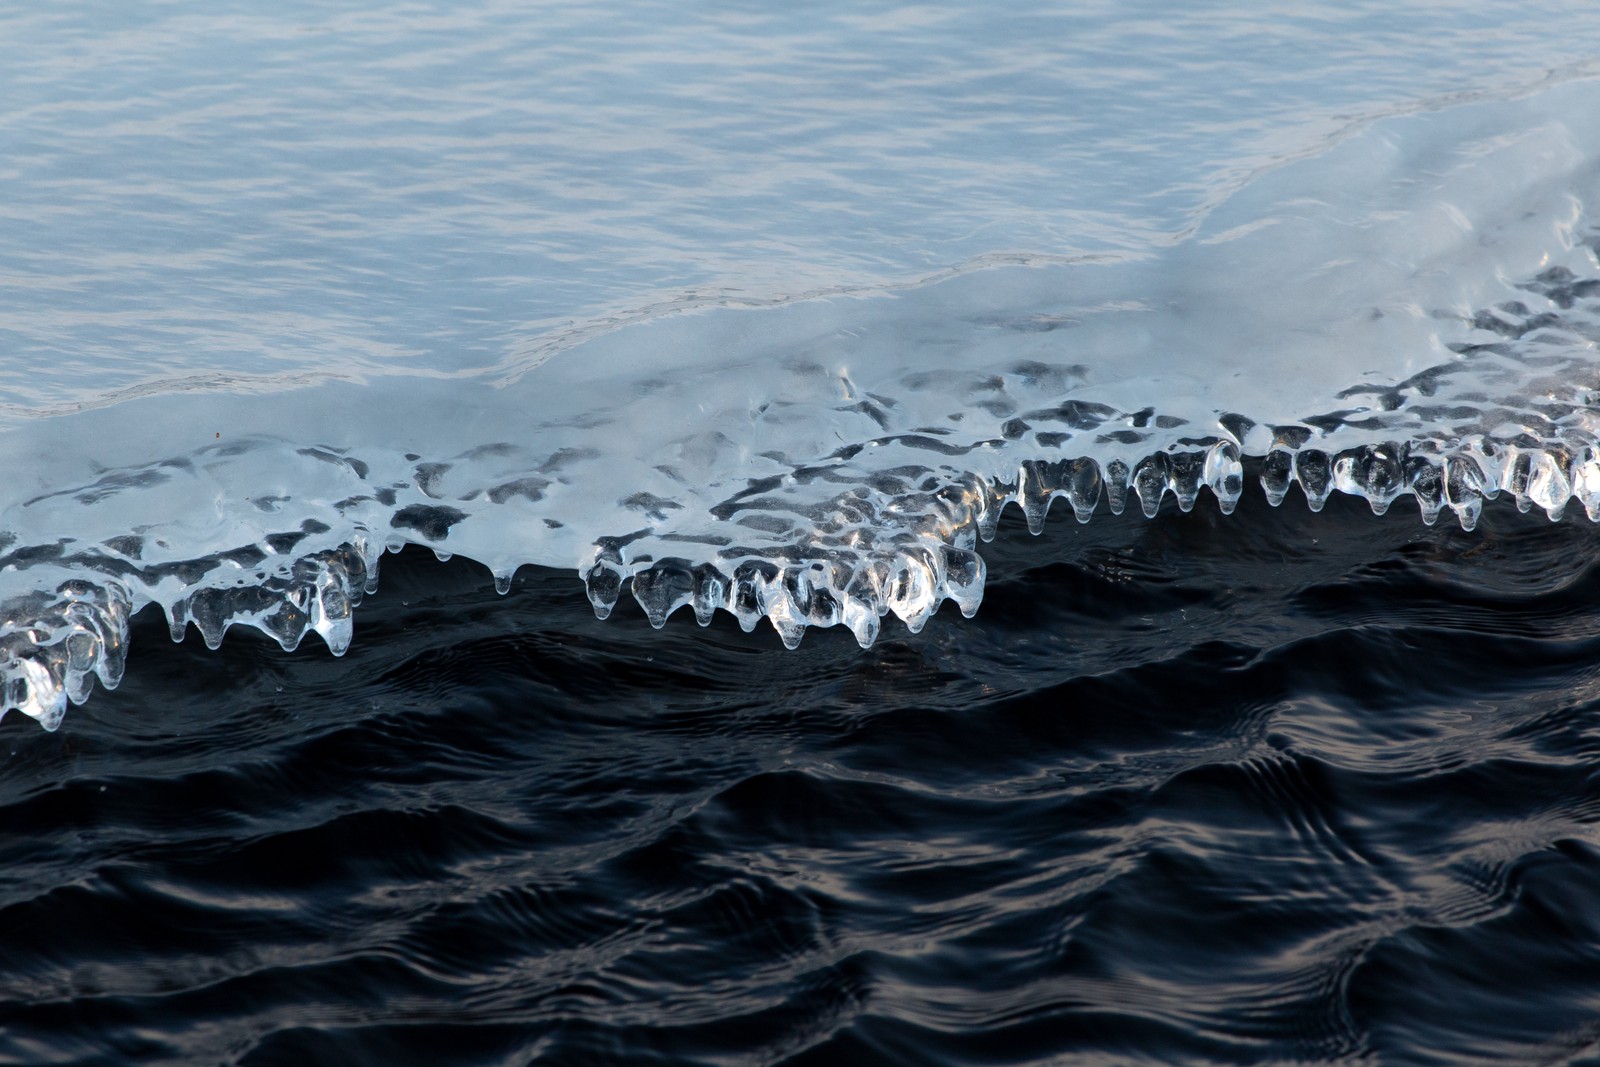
pixel 1270 787
pixel 216 189
pixel 778 311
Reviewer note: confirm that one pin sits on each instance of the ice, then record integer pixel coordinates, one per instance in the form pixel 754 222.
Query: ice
pixel 1411 310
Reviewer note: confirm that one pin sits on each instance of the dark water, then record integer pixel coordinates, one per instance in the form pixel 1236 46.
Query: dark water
pixel 1278 787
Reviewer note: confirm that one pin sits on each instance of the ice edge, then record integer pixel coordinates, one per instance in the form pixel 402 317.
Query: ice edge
pixel 54 642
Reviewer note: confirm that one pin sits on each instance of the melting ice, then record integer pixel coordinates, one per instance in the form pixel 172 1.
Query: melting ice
pixel 1406 308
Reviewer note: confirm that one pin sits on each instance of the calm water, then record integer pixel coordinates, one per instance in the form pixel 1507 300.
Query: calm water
pixel 773 315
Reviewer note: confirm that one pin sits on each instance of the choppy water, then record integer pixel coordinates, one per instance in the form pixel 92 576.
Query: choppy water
pixel 781 316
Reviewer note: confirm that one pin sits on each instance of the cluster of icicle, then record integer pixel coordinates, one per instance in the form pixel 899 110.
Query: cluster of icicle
pixel 317 594
pixel 53 642
pixel 935 560
pixel 52 645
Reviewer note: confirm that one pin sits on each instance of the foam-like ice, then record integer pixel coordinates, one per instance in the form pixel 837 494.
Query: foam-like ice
pixel 1413 311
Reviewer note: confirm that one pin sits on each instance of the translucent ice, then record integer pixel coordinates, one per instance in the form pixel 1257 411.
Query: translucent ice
pixel 1410 310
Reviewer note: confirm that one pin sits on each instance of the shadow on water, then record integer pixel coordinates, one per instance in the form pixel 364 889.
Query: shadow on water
pixel 1272 787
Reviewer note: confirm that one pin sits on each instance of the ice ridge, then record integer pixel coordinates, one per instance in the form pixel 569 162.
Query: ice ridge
pixel 902 547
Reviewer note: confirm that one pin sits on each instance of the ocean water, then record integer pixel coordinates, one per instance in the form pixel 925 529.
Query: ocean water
pixel 1275 743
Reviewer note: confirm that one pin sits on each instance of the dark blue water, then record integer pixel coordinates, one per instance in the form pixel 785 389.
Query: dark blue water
pixel 1277 787
pixel 770 308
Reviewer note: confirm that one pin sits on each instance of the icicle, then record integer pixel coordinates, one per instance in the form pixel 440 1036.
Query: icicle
pixel 1036 486
pixel 1116 476
pixel 603 583
pixel 662 589
pixel 1426 481
pixel 1313 470
pixel 1185 474
pixel 1224 473
pixel 1463 490
pixel 964 577
pixel 710 593
pixel 1083 484
pixel 1150 483
pixel 1277 472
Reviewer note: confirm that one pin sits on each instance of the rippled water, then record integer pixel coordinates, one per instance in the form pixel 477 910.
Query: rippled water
pixel 206 189
pixel 774 315
pixel 1293 788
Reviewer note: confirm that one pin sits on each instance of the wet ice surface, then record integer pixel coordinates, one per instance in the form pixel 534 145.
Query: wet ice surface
pixel 757 311
pixel 1411 311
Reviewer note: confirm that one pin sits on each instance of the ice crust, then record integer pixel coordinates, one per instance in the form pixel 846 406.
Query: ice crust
pixel 1413 311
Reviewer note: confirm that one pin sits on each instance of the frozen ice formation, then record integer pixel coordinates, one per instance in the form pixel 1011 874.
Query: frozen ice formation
pixel 52 644
pixel 902 546
pixel 1412 311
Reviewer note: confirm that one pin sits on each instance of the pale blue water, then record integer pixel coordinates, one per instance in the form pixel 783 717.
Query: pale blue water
pixel 219 189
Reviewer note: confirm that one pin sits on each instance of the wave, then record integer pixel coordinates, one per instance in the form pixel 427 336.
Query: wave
pixel 1411 312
